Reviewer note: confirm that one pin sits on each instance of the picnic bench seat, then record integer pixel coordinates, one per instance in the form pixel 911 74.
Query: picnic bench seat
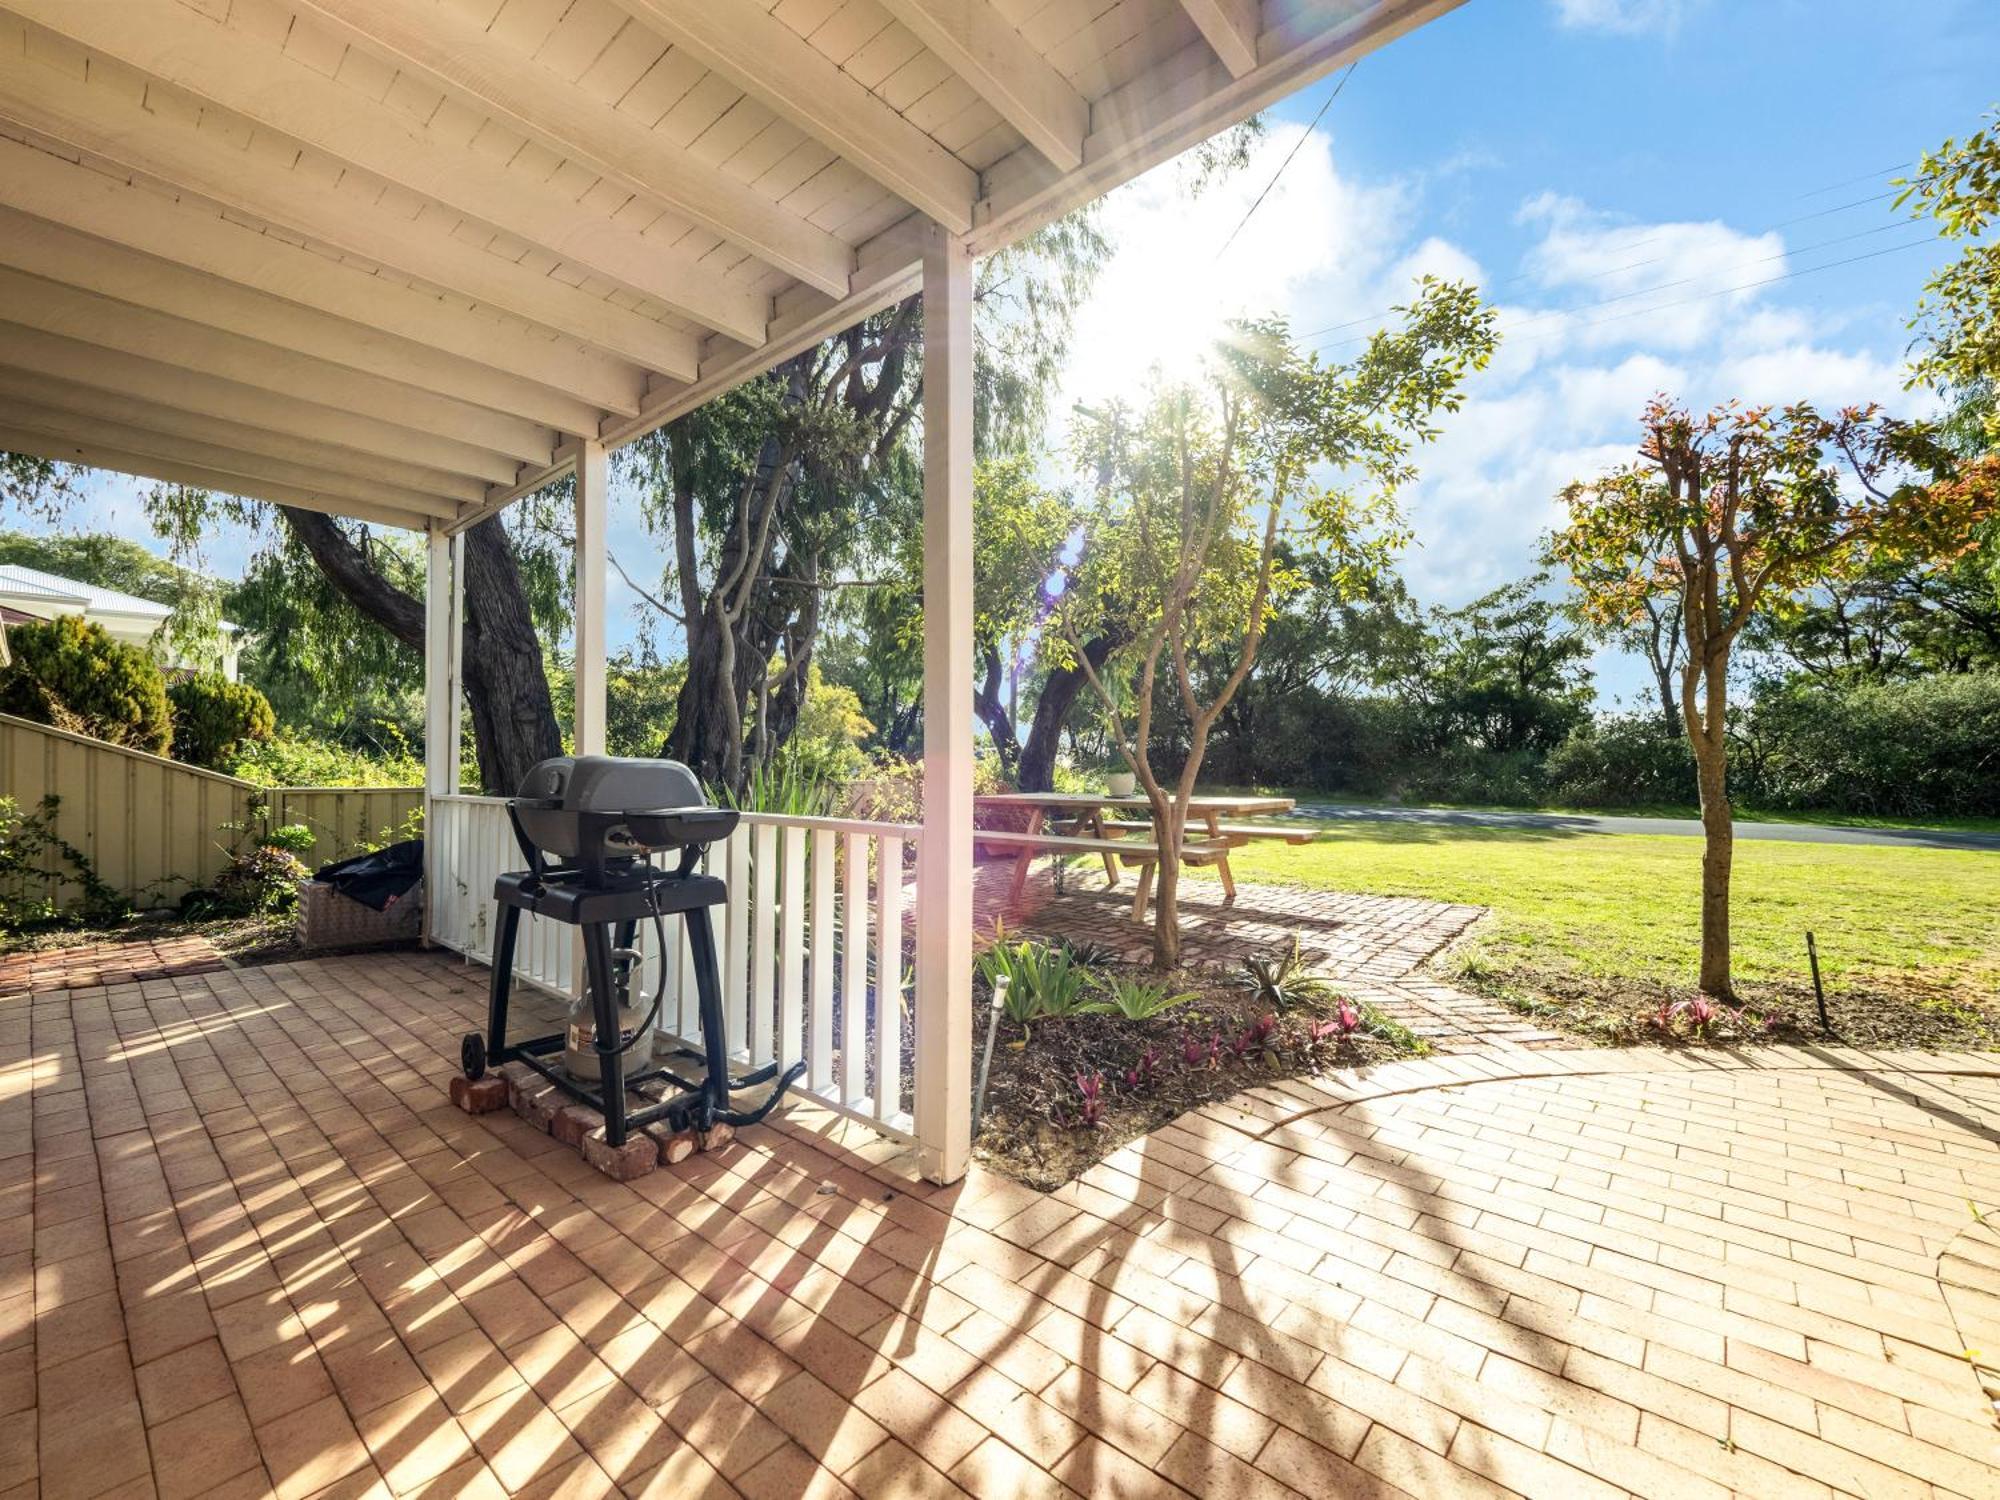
pixel 1234 831
pixel 1195 851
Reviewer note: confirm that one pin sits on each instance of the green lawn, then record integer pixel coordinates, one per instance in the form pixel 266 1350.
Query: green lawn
pixel 1625 904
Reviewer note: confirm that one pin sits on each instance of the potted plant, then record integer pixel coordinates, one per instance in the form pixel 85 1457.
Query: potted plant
pixel 1120 783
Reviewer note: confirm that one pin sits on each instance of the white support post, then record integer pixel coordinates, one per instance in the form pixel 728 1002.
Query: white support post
pixel 442 601
pixel 944 868
pixel 455 777
pixel 593 478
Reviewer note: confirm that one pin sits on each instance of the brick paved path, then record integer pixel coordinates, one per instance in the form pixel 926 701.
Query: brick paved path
pixel 271 1259
pixel 1374 947
pixel 106 963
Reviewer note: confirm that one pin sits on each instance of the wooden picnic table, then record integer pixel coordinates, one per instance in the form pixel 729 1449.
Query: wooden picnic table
pixel 1083 823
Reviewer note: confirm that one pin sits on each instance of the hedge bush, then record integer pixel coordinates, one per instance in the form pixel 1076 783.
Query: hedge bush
pixel 214 718
pixel 71 674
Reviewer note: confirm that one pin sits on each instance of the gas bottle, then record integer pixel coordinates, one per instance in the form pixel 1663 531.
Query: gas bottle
pixel 580 1037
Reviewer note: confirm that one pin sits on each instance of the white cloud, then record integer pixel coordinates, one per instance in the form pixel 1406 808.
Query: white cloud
pixel 1624 17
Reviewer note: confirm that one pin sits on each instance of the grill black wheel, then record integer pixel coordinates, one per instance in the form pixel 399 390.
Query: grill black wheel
pixel 472 1055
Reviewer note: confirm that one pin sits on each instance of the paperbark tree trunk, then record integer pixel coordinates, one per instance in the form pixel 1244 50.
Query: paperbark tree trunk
pixel 1059 695
pixel 513 719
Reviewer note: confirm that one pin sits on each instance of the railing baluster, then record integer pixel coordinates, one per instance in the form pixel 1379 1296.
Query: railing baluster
pixel 736 942
pixel 791 972
pixel 854 971
pixel 820 1074
pixel 889 980
pixel 763 937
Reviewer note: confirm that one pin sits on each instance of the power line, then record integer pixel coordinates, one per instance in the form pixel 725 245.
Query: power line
pixel 1258 202
pixel 1549 314
pixel 1651 260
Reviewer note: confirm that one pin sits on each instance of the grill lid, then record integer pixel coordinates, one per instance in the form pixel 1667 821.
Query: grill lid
pixel 612 783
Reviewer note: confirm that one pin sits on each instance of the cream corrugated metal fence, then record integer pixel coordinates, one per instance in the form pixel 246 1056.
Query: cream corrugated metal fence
pixel 152 827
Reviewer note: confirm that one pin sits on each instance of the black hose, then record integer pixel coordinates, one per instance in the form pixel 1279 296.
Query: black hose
pixel 660 939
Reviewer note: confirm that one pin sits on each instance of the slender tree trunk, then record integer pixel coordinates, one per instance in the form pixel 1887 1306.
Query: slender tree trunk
pixel 992 711
pixel 1711 753
pixel 1167 828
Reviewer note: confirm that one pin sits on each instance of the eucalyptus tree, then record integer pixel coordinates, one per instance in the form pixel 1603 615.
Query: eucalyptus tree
pixel 1198 487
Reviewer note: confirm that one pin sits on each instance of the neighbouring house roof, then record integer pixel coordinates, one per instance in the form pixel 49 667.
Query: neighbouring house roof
pixel 22 588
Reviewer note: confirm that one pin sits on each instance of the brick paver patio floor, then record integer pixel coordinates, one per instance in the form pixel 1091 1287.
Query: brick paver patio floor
pixel 1373 946
pixel 269 1258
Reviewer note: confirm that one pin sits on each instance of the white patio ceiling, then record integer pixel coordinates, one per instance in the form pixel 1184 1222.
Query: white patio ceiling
pixel 392 258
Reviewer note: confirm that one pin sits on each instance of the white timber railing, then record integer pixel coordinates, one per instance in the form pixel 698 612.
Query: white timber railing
pixel 810 945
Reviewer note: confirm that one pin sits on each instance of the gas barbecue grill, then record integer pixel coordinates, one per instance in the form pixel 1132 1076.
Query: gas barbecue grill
pixel 588 826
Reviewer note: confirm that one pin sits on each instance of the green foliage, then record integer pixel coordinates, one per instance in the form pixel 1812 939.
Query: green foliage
pixel 1392 1031
pixel 1958 186
pixel 1285 981
pixel 1620 760
pixel 287 760
pixel 293 838
pixel 1045 981
pixel 1920 748
pixel 784 787
pixel 261 880
pixel 1135 999
pixel 73 675
pixel 27 842
pixel 214 718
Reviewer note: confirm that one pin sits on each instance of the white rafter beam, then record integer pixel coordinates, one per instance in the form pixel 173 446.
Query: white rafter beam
pixel 1230 28
pixel 35 388
pixel 443 47
pixel 105 456
pixel 218 63
pixel 974 40
pixel 52 307
pixel 192 234
pixel 77 260
pixel 117 114
pixel 761 55
pixel 209 395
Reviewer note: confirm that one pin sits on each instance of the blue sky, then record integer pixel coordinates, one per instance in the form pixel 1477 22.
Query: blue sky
pixel 1615 174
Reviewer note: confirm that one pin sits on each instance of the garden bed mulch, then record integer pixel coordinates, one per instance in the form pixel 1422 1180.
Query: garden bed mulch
pixel 1877 1012
pixel 1036 1125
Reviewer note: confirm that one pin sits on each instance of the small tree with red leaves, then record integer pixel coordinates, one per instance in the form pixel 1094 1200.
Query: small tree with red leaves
pixel 1742 510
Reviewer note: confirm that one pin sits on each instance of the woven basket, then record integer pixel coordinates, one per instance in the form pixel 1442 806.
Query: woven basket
pixel 328 919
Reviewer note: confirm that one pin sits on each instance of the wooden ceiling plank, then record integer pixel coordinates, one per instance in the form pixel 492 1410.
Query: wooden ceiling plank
pixel 179 447
pixel 977 43
pixel 198 391
pixel 130 128
pixel 226 67
pixel 191 234
pixel 144 466
pixel 40 248
pixel 38 388
pixel 744 42
pixel 54 307
pixel 464 59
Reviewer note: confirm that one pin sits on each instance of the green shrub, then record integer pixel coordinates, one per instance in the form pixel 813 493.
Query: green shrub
pixel 71 674
pixel 1927 747
pixel 285 760
pixel 214 718
pixel 293 838
pixel 1622 760
pixel 1044 980
pixel 1135 999
pixel 260 880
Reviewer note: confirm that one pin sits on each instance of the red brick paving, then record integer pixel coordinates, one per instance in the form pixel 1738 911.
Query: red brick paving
pixel 1373 947
pixel 106 963
pixel 270 1257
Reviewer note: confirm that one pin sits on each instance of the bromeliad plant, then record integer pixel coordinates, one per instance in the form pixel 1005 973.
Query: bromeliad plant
pixel 1044 980
pixel 1285 981
pixel 1134 999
